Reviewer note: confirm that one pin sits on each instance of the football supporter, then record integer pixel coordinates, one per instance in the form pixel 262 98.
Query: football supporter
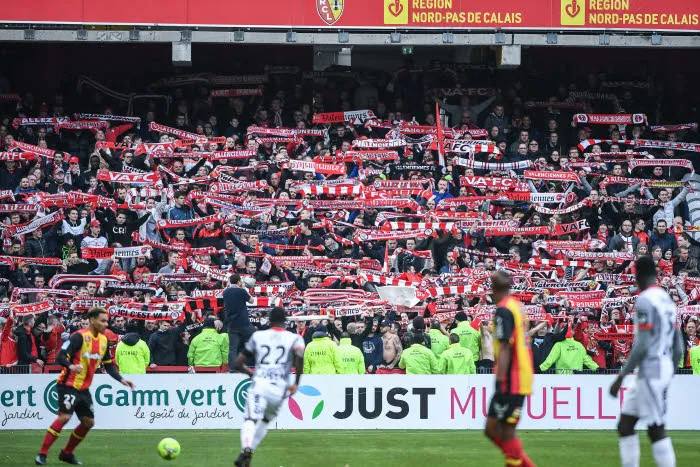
pixel 323 208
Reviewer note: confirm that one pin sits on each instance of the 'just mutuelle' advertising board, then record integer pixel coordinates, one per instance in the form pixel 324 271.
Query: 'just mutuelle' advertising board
pixel 211 401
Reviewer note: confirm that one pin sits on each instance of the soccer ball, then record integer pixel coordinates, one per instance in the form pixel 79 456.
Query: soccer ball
pixel 168 448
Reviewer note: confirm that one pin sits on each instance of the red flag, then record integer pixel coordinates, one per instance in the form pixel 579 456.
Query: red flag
pixel 440 143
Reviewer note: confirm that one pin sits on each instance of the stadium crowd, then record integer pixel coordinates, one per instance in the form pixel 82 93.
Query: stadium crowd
pixel 343 195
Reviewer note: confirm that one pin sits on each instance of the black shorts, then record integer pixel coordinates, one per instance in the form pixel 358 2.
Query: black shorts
pixel 71 400
pixel 506 407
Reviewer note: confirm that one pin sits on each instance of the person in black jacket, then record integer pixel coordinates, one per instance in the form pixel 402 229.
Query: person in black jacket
pixel 27 349
pixel 358 330
pixel 117 228
pixel 163 342
pixel 74 265
pixel 543 340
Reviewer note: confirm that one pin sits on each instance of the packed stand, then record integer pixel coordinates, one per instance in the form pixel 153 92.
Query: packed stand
pixel 339 195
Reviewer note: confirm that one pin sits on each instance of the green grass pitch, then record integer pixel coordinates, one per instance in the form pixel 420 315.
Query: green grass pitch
pixel 342 448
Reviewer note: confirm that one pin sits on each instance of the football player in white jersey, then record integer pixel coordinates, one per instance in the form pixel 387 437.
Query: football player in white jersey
pixel 657 349
pixel 275 351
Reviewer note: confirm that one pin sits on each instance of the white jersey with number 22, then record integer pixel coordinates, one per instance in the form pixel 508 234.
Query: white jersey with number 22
pixel 274 351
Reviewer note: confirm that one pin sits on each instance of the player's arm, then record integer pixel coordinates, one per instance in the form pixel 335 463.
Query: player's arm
pixel 247 352
pixel 298 350
pixel 69 348
pixel 112 370
pixel 503 335
pixel 640 346
pixel 244 355
pixel 677 349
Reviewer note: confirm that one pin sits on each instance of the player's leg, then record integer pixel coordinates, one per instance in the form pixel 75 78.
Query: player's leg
pixel 504 414
pixel 630 413
pixel 52 434
pixel 254 412
pixel 629 441
pixel 261 428
pixel 83 409
pixel 661 445
pixel 66 406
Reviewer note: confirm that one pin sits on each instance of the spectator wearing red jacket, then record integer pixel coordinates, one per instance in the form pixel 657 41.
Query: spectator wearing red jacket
pixel 27 350
pixel 51 338
pixel 8 343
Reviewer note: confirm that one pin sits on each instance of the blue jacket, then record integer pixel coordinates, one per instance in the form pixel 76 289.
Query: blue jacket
pixel 666 241
pixel 373 350
pixel 180 214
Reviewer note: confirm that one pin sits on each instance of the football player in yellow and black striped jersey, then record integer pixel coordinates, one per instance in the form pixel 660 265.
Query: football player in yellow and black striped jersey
pixel 513 372
pixel 80 356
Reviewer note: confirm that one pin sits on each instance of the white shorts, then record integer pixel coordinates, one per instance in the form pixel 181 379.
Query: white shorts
pixel 264 400
pixel 645 398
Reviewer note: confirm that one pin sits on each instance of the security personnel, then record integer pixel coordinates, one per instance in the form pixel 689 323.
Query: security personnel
pixel 469 337
pixel 438 340
pixel 132 355
pixel 321 355
pixel 209 348
pixel 457 360
pixel 419 360
pixel 352 360
pixel 568 356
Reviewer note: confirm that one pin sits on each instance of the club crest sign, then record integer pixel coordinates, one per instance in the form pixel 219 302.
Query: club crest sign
pixel 330 10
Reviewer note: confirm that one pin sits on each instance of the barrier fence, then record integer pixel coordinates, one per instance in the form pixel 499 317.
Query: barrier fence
pixel 208 401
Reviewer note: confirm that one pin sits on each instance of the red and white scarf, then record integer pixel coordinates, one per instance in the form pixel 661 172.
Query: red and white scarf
pixel 122 252
pixel 685 163
pixel 315 167
pixel 38 121
pixel 81 125
pixel 673 128
pixel 109 118
pixel 17 156
pixel 648 143
pixel 235 92
pixel 610 119
pixel 354 116
pixel 38 223
pixel 182 134
pixel 128 178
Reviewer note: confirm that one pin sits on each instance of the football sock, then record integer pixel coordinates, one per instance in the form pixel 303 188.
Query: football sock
pixel 513 450
pixel 260 432
pixel 51 436
pixel 247 434
pixel 629 450
pixel 76 437
pixel 498 441
pixel 663 453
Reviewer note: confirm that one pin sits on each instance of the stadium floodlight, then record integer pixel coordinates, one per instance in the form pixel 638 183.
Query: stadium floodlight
pixel 552 38
pixel 134 35
pixel 238 36
pixel 656 39
pixel 499 38
pixel 343 37
pixel 82 35
pixel 29 35
pixel 604 39
pixel 395 37
pixel 448 38
pixel 291 36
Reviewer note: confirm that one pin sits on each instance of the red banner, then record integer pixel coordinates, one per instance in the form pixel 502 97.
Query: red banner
pixel 676 15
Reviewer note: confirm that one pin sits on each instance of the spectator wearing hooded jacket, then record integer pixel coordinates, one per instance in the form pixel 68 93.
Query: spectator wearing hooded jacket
pixel 132 355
